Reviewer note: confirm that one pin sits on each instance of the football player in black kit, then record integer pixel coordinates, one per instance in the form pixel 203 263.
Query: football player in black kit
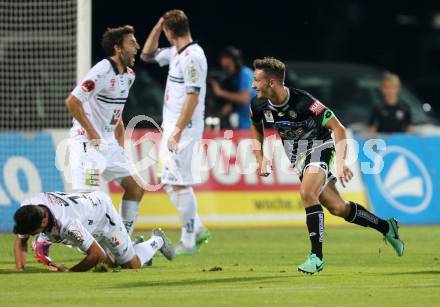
pixel 305 125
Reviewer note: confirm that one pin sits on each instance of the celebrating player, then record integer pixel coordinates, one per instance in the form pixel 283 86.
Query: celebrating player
pixel 96 106
pixel 304 125
pixel 87 221
pixel 182 121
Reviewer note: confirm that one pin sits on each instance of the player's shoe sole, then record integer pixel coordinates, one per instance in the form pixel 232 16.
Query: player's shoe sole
pixel 203 237
pixel 393 238
pixel 182 250
pixel 312 265
pixel 167 249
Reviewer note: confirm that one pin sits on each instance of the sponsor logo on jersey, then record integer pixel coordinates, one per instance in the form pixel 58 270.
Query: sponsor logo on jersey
pixel 316 107
pixel 268 116
pixel 292 114
pixel 88 86
pixel 81 131
pixel 115 117
pixel 115 241
pixel 192 73
pixel 75 235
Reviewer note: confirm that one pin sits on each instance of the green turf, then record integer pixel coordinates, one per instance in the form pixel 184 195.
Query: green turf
pixel 258 268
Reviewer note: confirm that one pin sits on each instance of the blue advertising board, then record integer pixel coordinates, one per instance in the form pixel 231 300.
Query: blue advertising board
pixel 405 184
pixel 27 167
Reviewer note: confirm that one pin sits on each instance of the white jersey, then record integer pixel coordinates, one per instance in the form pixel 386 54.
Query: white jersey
pixel 78 218
pixel 103 93
pixel 187 70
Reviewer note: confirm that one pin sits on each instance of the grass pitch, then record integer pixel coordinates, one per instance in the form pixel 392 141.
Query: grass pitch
pixel 245 268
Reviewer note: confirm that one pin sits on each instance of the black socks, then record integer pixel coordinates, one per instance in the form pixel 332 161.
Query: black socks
pixel 361 216
pixel 315 225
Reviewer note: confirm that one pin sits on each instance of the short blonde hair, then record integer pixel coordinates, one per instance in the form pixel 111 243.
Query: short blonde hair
pixel 388 76
pixel 271 66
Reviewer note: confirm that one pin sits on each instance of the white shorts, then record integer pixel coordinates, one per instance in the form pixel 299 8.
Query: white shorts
pixel 88 164
pixel 115 239
pixel 322 161
pixel 181 167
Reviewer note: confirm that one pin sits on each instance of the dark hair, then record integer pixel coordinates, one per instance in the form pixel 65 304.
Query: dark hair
pixel 176 21
pixel 271 66
pixel 234 54
pixel 28 219
pixel 114 36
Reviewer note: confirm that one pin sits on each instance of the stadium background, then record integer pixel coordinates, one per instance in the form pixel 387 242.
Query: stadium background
pixel 39 66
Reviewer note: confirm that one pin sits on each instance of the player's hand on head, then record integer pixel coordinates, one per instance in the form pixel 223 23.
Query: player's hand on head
pixel 159 24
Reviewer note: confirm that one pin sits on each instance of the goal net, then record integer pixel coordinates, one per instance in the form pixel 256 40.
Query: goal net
pixel 44 49
pixel 37 62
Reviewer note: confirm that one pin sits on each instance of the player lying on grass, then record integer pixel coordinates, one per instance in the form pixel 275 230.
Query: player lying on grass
pixel 304 125
pixel 87 221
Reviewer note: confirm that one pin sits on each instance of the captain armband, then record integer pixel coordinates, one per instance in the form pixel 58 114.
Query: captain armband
pixel 328 115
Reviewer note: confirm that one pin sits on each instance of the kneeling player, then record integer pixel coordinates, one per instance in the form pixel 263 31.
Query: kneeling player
pixel 304 125
pixel 89 222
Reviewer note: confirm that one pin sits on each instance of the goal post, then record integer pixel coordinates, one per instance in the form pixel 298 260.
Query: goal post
pixel 83 38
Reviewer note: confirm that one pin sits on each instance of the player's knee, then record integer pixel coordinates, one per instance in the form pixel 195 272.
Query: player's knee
pixel 309 197
pixel 134 192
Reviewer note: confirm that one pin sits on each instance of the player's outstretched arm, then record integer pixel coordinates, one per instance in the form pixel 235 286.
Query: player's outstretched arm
pixel 344 172
pixel 20 252
pixel 152 42
pixel 74 105
pixel 95 255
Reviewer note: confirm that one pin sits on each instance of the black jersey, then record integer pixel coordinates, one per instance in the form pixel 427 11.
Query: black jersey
pixel 300 122
pixel 389 119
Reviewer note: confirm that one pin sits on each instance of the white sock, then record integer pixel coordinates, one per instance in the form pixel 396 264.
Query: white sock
pixel 185 202
pixel 129 210
pixel 146 250
pixel 197 221
pixel 173 196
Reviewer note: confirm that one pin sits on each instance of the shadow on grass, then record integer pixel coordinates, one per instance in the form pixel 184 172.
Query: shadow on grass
pixel 430 272
pixel 29 270
pixel 193 282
